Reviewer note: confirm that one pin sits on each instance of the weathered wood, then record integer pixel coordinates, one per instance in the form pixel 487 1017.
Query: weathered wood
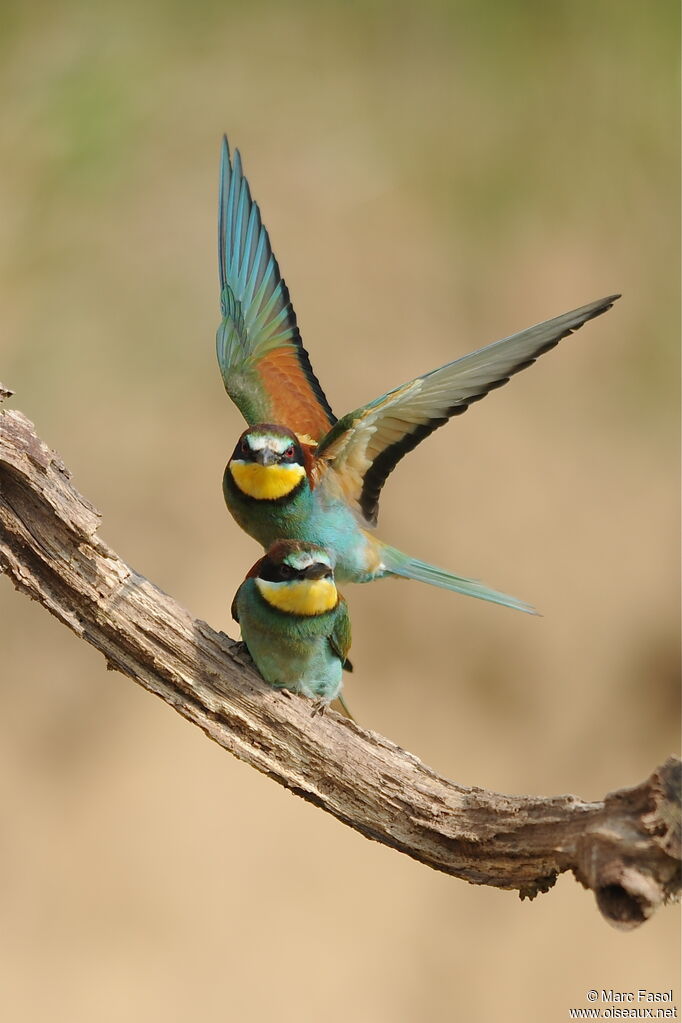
pixel 625 848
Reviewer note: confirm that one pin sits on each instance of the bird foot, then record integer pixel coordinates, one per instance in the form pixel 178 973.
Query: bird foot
pixel 239 652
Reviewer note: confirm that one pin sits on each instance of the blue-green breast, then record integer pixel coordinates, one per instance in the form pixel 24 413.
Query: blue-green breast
pixel 308 515
pixel 290 651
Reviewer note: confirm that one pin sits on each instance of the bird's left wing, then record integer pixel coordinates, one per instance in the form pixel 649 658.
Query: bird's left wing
pixel 265 368
pixel 339 639
pixel 364 446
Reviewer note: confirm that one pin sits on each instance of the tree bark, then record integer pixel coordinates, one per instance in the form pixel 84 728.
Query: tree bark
pixel 625 848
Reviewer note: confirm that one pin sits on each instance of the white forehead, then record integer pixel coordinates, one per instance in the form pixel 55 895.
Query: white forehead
pixel 303 559
pixel 260 441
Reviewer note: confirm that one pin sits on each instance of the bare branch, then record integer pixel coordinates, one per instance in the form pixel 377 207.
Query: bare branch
pixel 625 848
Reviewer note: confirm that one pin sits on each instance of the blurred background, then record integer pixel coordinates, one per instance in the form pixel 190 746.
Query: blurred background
pixel 433 177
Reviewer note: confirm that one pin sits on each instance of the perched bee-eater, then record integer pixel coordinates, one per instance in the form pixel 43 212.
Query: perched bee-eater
pixel 297 472
pixel 294 621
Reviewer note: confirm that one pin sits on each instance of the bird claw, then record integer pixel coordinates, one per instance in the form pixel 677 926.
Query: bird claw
pixel 319 707
pixel 240 650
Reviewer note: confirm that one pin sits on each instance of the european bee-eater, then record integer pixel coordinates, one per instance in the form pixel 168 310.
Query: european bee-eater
pixel 294 621
pixel 300 473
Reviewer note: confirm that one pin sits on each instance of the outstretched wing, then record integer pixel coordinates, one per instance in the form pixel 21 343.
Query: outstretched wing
pixel 340 637
pixel 364 446
pixel 265 368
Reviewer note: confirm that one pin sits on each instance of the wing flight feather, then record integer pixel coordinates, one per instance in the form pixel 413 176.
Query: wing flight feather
pixel 265 368
pixel 365 446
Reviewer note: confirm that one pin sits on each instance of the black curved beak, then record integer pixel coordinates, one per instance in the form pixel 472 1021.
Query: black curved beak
pixel 266 456
pixel 317 571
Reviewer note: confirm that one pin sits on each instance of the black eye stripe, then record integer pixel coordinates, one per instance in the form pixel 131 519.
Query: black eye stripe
pixel 242 451
pixel 292 454
pixel 277 573
pixel 274 572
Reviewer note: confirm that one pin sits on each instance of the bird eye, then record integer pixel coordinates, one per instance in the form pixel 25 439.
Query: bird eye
pixel 245 449
pixel 286 572
pixel 289 453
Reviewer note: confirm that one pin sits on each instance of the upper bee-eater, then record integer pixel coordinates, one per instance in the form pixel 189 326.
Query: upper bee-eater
pixel 294 621
pixel 297 472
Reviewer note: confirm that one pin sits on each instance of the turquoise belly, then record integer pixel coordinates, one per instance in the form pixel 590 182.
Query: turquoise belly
pixel 290 652
pixel 307 516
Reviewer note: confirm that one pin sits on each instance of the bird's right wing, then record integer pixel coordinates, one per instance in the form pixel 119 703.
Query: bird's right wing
pixel 364 446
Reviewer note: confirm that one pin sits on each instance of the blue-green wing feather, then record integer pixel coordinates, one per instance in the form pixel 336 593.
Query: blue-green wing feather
pixel 340 638
pixel 265 368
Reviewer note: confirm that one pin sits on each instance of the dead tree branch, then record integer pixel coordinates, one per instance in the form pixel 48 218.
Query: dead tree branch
pixel 625 848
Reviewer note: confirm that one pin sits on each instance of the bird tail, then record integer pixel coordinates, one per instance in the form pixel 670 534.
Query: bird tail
pixel 344 708
pixel 402 565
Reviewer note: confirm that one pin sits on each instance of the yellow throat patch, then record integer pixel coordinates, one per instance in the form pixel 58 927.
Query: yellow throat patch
pixel 301 597
pixel 265 482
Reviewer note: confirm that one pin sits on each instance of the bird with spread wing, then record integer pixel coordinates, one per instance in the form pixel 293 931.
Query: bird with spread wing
pixel 297 472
